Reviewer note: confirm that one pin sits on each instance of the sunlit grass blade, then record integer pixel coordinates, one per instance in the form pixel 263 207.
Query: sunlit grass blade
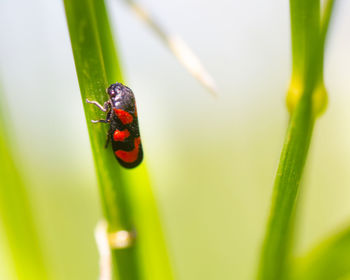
pixel 177 46
pixel 306 99
pixel 16 214
pixel 329 260
pixel 126 194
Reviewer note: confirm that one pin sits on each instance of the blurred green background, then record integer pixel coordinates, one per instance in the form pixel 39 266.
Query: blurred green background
pixel 212 160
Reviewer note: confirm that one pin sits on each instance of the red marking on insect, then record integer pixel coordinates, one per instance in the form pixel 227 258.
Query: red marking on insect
pixel 130 156
pixel 120 135
pixel 124 116
pixel 124 132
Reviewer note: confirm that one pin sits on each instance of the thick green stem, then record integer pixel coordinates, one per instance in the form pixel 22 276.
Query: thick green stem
pixel 127 198
pixel 85 34
pixel 306 99
pixel 278 236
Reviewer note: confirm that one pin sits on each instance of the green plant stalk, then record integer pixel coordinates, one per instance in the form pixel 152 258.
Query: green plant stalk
pixel 307 28
pixel 16 216
pixel 307 49
pixel 329 260
pixel 127 198
pixel 277 240
pixel 92 76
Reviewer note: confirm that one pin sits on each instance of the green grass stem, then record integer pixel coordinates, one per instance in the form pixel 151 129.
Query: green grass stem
pixel 306 98
pixel 126 195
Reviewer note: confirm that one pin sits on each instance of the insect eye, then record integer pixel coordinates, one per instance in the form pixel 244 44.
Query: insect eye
pixel 111 92
pixel 118 89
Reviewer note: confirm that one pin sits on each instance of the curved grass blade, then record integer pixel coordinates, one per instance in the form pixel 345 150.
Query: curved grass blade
pixel 16 214
pixel 177 46
pixel 329 260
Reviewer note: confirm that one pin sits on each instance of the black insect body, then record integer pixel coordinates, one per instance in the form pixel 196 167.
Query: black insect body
pixel 124 130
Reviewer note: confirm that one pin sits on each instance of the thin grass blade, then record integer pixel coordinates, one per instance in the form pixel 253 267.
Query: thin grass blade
pixel 177 46
pixel 16 213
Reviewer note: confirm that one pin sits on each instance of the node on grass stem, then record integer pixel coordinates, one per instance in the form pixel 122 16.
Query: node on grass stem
pixel 319 96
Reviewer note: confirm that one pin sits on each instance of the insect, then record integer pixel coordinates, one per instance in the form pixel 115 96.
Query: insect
pixel 124 129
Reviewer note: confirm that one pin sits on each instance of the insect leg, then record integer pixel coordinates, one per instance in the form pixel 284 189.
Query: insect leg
pixel 99 121
pixel 109 134
pixel 108 117
pixel 103 108
pixel 107 141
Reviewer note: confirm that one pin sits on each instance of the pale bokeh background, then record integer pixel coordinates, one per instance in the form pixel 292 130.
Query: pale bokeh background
pixel 212 161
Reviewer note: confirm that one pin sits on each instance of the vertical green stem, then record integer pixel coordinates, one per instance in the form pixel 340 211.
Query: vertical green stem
pixel 276 246
pixel 127 198
pixel 306 98
pixel 85 20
